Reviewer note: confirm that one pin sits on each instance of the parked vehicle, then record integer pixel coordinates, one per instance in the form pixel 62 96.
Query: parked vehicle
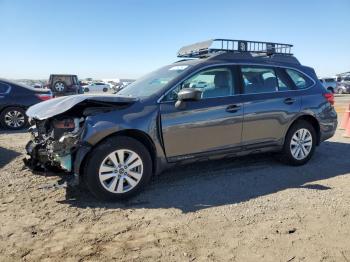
pixel 329 83
pixel 97 87
pixel 258 98
pixel 15 98
pixel 64 84
pixel 343 87
pixel 38 85
pixel 343 77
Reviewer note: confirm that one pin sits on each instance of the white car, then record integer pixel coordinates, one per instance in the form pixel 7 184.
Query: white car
pixel 97 87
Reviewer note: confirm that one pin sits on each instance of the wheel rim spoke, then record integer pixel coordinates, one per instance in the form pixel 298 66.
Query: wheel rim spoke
pixel 135 175
pixel 120 185
pixel 107 176
pixel 137 163
pixel 121 155
pixel 106 169
pixel 113 184
pixel 113 158
pixel 131 158
pixel 130 181
pixel 308 144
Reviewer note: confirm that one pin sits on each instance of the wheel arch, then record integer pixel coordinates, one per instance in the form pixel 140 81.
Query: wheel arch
pixel 313 121
pixel 138 135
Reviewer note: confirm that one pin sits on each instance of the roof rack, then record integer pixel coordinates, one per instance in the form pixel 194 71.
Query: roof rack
pixel 206 48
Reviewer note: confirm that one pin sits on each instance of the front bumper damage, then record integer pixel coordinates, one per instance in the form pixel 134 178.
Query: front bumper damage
pixel 58 127
pixel 54 144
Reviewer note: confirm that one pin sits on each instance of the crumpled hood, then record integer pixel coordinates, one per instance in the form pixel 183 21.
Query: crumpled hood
pixel 60 105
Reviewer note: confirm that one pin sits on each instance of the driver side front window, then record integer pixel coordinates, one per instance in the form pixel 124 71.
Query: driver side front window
pixel 217 82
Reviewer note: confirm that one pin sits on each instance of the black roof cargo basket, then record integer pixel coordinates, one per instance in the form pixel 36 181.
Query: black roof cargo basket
pixel 206 48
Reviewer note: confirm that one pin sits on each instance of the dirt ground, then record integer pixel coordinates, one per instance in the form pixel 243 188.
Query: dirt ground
pixel 245 209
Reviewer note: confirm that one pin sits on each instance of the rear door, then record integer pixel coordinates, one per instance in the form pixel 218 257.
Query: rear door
pixel 270 103
pixel 210 124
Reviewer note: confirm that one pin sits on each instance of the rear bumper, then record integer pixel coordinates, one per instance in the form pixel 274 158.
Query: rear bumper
pixel 327 130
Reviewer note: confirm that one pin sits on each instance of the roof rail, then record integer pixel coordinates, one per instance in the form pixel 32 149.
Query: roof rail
pixel 206 48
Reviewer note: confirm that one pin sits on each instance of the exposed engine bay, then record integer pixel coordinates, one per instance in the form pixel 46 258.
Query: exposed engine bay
pixel 53 143
pixel 57 137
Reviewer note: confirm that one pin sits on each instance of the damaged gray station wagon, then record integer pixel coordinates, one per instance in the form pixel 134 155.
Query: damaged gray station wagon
pixel 225 98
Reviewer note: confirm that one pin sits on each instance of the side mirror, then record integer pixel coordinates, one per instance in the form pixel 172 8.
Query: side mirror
pixel 187 94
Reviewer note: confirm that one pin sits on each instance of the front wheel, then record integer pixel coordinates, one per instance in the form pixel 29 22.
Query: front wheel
pixel 299 144
pixel 118 168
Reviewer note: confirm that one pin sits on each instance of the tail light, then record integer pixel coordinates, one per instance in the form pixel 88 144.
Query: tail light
pixel 44 97
pixel 329 97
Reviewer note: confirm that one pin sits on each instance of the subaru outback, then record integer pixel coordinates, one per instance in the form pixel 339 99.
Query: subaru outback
pixel 225 98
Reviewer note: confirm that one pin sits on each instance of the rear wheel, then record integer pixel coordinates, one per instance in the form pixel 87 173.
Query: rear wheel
pixel 105 89
pixel 118 168
pixel 86 90
pixel 13 118
pixel 299 144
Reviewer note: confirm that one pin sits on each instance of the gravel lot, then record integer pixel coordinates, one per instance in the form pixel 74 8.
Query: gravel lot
pixel 245 209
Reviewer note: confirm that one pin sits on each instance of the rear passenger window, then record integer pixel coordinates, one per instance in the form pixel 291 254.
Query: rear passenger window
pixel 284 84
pixel 300 80
pixel 259 80
pixel 4 88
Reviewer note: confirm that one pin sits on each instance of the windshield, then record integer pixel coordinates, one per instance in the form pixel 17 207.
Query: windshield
pixel 153 82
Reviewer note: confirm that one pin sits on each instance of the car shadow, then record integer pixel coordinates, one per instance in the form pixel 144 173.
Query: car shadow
pixel 229 181
pixel 6 156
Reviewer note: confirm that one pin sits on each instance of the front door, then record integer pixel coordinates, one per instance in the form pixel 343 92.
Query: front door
pixel 211 123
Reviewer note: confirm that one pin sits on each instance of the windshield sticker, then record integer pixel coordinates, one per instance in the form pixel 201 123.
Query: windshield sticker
pixel 177 68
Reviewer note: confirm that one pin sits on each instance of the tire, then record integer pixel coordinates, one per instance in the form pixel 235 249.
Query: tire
pixel 86 90
pixel 289 147
pixel 13 118
pixel 59 87
pixel 340 91
pixel 105 90
pixel 103 177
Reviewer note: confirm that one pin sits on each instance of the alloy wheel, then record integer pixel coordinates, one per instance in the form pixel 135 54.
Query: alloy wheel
pixel 14 119
pixel 121 171
pixel 301 144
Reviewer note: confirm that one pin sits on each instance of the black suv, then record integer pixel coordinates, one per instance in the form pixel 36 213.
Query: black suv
pixel 64 84
pixel 224 98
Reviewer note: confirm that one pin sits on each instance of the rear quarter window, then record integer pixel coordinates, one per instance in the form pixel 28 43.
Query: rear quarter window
pixel 300 80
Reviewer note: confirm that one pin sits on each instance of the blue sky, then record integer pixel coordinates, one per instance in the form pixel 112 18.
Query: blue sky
pixel 110 39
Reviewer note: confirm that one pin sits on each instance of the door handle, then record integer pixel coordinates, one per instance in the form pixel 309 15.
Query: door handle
pixel 289 101
pixel 233 108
